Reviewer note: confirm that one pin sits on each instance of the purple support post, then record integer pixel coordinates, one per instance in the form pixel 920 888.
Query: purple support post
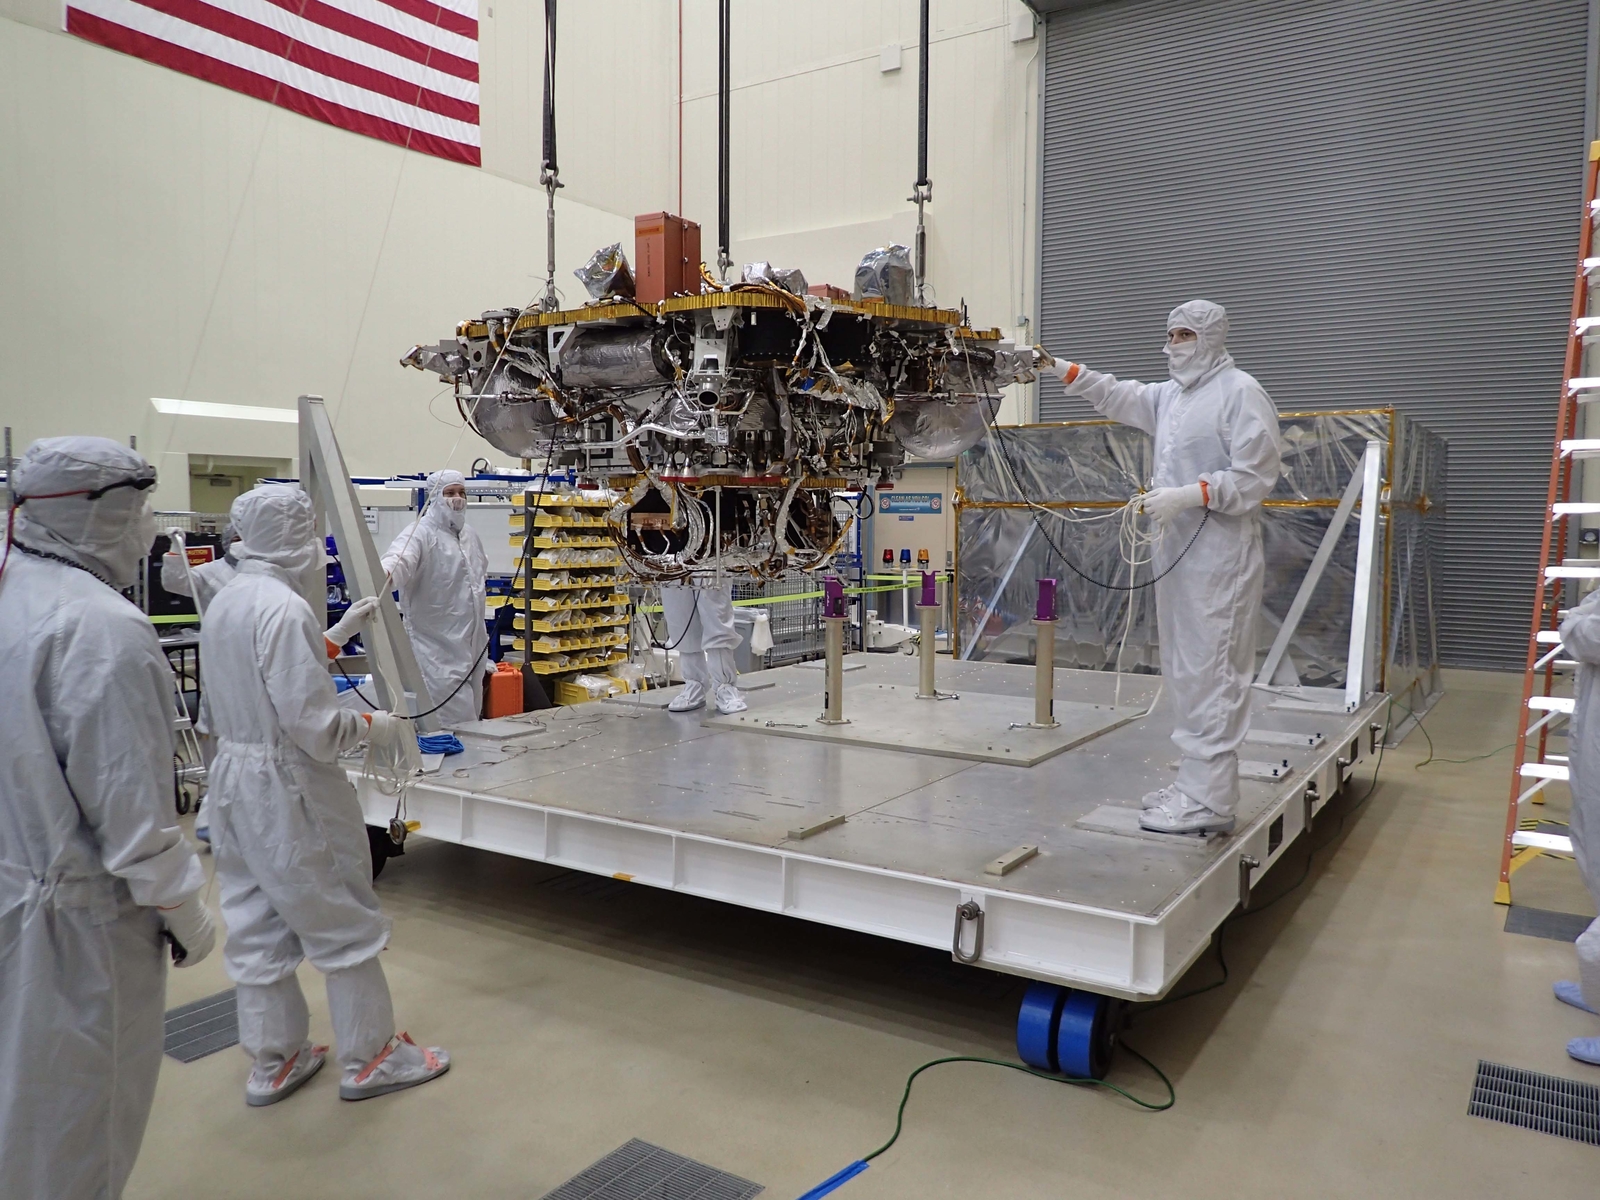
pixel 1046 608
pixel 832 596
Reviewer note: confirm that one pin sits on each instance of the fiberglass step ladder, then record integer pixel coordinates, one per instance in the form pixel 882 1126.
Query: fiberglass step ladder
pixel 1535 767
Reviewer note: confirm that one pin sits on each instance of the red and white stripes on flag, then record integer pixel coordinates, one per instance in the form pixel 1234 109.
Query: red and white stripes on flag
pixel 405 71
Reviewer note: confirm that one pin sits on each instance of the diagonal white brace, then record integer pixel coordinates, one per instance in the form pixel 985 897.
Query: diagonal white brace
pixel 1313 575
pixel 327 480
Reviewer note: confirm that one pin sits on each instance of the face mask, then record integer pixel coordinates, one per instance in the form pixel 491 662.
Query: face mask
pixel 122 559
pixel 1181 361
pixel 455 512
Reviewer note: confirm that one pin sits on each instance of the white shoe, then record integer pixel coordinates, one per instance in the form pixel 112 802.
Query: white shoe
pixel 403 1064
pixel 1183 815
pixel 692 697
pixel 1160 798
pixel 263 1088
pixel 729 699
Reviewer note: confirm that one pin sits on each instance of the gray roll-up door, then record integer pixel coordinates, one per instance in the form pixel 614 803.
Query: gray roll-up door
pixel 1386 196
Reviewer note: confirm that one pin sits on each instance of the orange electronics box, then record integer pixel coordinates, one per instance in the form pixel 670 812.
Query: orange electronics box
pixel 666 257
pixel 827 291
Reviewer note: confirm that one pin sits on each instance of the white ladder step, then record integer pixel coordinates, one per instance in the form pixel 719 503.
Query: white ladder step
pixel 1581 447
pixel 1548 637
pixel 1543 771
pixel 1575 508
pixel 1562 704
pixel 1591 265
pixel 1583 383
pixel 1572 570
pixel 1544 841
pixel 1584 324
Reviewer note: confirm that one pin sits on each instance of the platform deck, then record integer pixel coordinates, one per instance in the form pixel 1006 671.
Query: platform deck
pixel 685 801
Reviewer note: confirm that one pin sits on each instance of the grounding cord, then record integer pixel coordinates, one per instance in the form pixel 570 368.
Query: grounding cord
pixel 834 1182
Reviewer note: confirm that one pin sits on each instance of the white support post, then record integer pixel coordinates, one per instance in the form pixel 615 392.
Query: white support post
pixel 1313 576
pixel 1359 668
pixel 326 479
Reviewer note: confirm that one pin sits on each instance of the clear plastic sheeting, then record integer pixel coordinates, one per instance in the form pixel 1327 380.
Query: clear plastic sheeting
pixel 790 279
pixel 937 429
pixel 886 274
pixel 1085 469
pixel 607 273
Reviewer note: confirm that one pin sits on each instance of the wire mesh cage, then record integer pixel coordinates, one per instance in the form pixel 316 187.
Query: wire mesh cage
pixel 796 624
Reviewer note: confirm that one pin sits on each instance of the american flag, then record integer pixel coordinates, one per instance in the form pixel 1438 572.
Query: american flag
pixel 405 71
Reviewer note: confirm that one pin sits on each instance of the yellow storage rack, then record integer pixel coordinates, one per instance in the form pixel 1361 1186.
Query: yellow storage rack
pixel 572 609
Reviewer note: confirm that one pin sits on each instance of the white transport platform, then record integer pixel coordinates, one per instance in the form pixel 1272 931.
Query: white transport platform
pixel 1039 871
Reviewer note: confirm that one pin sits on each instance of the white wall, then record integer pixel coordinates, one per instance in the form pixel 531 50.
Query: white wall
pixel 165 237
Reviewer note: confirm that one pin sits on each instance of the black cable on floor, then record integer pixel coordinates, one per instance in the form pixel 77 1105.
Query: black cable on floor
pixel 837 1180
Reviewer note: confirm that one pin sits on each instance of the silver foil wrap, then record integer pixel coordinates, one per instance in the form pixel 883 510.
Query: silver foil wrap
pixel 607 273
pixel 601 357
pixel 886 274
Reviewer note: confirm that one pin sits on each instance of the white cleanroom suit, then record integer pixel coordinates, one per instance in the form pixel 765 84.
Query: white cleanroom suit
pixel 439 566
pixel 1580 635
pixel 204 581
pixel 291 845
pixel 1216 449
pixel 90 849
pixel 700 628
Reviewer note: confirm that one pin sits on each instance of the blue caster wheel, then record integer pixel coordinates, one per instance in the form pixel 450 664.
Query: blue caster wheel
pixel 1038 1022
pixel 1085 1034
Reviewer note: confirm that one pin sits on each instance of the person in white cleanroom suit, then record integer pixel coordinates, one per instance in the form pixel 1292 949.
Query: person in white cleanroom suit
pixel 204 581
pixel 1580 635
pixel 291 849
pixel 92 864
pixel 439 566
pixel 700 628
pixel 1216 452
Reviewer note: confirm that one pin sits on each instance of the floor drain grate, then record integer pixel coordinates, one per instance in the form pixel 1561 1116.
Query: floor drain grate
pixel 640 1171
pixel 1541 922
pixel 1534 1100
pixel 204 1027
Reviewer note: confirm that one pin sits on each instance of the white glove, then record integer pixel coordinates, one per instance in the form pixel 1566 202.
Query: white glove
pixel 354 618
pixel 191 929
pixel 1165 503
pixel 1049 364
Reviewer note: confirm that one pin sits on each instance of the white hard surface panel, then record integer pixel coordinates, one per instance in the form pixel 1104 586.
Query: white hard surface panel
pixel 662 799
pixel 971 725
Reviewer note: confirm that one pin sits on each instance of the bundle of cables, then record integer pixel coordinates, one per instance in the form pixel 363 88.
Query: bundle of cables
pixel 393 756
pixel 439 743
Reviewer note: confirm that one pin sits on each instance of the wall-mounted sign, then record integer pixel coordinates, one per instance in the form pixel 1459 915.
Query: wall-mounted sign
pixel 912 503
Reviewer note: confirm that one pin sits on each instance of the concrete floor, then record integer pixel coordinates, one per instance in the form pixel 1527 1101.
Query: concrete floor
pixel 581 1012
